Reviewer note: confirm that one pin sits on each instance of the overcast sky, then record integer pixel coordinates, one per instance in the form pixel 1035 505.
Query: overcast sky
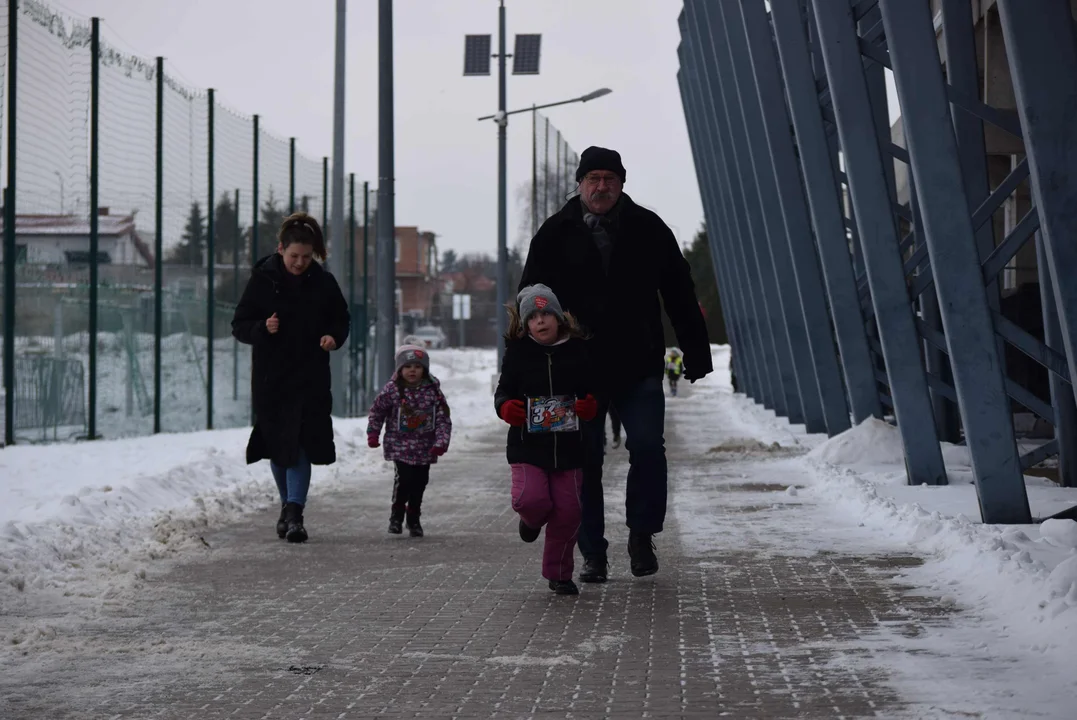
pixel 275 58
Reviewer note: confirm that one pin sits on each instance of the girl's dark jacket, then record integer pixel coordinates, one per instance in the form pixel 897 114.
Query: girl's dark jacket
pixel 530 369
pixel 290 379
pixel 620 305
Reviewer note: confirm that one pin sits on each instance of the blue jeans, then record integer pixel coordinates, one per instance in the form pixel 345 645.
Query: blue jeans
pixel 642 408
pixel 294 482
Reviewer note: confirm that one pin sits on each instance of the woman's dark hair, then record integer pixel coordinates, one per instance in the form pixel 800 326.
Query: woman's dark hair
pixel 303 229
pixel 518 328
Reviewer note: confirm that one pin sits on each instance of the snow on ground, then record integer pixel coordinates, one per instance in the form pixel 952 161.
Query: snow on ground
pixel 1016 586
pixel 83 522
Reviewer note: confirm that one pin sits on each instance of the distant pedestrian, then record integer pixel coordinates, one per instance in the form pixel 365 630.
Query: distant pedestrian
pixel 544 391
pixel 293 314
pixel 674 369
pixel 415 415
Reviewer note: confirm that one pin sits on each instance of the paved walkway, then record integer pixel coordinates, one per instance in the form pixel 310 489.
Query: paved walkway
pixel 740 622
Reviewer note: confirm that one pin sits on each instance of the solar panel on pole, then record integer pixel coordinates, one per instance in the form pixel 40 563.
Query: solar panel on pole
pixel 476 55
pixel 525 58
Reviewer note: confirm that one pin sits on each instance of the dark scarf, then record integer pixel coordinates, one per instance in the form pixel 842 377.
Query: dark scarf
pixel 603 231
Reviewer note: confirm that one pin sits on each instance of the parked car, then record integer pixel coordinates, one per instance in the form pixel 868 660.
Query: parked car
pixel 428 336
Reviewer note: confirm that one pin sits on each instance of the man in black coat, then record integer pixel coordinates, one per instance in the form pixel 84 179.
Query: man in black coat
pixel 609 261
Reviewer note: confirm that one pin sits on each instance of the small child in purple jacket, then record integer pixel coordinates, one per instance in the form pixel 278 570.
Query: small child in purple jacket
pixel 416 435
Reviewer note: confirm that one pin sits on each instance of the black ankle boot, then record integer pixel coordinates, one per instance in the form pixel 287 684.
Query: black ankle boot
pixel 641 553
pixel 594 570
pixel 414 528
pixel 294 515
pixel 396 524
pixel 564 587
pixel 282 522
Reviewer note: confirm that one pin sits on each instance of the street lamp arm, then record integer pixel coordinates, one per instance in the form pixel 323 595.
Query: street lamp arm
pixel 582 98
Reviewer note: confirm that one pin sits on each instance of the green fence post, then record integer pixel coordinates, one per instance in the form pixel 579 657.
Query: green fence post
pixel 211 247
pixel 291 176
pixel 325 196
pixel 254 199
pixel 235 300
pixel 352 376
pixel 9 230
pixel 95 88
pixel 366 280
pixel 158 247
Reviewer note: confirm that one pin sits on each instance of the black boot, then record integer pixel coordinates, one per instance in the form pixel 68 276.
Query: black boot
pixel 527 533
pixel 414 528
pixel 594 570
pixel 396 524
pixel 564 587
pixel 282 522
pixel 294 517
pixel 641 552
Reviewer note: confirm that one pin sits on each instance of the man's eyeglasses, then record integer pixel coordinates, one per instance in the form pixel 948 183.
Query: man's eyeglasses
pixel 592 180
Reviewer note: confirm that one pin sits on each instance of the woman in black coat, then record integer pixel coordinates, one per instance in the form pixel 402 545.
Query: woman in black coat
pixel 293 314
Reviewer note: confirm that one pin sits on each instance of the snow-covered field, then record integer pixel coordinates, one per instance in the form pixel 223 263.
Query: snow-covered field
pixel 83 524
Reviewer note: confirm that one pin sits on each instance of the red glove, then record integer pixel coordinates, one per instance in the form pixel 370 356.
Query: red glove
pixel 372 441
pixel 438 451
pixel 513 412
pixel 587 408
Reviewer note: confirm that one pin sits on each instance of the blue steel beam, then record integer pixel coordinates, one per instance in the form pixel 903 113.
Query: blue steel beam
pixel 718 216
pixel 765 370
pixel 828 219
pixel 879 241
pixel 1042 51
pixel 790 339
pixel 715 221
pixel 718 220
pixel 1062 401
pixel 706 45
pixel 795 226
pixel 955 260
pixel 771 243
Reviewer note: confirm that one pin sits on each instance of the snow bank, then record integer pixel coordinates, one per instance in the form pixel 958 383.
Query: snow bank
pixel 83 523
pixel 1021 579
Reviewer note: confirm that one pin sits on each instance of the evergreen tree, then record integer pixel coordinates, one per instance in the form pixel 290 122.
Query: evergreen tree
pixel 269 222
pixel 190 249
pixel 225 235
pixel 698 256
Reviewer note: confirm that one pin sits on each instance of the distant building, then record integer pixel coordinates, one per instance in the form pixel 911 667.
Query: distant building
pixel 417 284
pixel 65 240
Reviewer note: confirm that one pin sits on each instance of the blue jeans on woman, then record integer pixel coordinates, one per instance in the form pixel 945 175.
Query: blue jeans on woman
pixel 293 482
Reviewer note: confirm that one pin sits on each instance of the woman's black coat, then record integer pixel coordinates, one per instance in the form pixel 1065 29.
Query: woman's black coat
pixel 530 369
pixel 290 377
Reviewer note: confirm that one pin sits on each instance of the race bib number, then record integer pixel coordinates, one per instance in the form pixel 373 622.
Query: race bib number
pixel 556 413
pixel 415 419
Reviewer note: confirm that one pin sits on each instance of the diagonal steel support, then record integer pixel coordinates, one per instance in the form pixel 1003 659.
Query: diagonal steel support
pixel 716 223
pixel 759 364
pixel 1042 51
pixel 824 200
pixel 790 231
pixel 955 260
pixel 773 338
pixel 772 247
pixel 871 198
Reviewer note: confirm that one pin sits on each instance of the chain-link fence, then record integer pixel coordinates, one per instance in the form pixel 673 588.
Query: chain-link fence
pixel 553 172
pixel 140 204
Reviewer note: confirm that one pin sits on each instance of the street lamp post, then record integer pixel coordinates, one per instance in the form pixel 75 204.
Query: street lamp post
pixel 525 62
pixel 601 92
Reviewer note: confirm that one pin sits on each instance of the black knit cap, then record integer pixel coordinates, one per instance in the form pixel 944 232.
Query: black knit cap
pixel 600 158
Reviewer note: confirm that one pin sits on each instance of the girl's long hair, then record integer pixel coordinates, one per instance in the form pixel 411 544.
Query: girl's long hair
pixel 517 330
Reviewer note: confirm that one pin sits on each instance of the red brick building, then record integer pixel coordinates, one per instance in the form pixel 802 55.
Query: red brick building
pixel 417 285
